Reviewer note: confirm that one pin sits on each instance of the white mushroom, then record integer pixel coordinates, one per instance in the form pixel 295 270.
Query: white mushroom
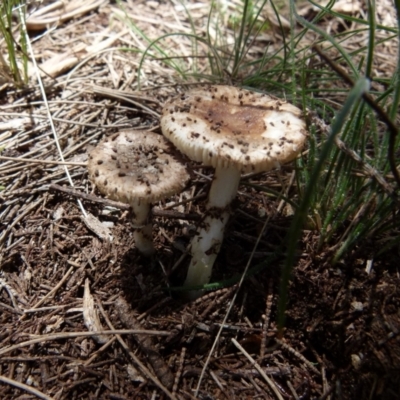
pixel 233 130
pixel 138 168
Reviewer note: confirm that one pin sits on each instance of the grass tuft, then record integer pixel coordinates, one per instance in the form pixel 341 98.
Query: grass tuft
pixel 347 178
pixel 13 59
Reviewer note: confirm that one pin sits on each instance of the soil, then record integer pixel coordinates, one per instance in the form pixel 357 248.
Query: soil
pixel 62 280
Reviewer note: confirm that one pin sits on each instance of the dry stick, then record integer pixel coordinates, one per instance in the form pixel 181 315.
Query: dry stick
pixel 43 92
pixel 16 220
pixel 140 97
pixel 149 310
pixel 7 167
pixel 33 188
pixel 372 172
pixel 90 197
pixel 224 292
pixel 69 335
pixel 292 389
pixel 122 206
pixel 66 121
pixel 393 131
pixel 270 287
pixel 258 368
pixel 99 351
pixel 183 202
pixel 360 215
pixel 298 355
pixel 268 307
pixel 256 385
pixel 146 343
pixel 9 308
pixel 120 13
pixel 136 360
pixel 59 12
pixel 179 372
pixel 83 143
pixel 32 160
pixel 58 102
pixel 60 63
pixel 54 290
pixel 325 385
pixel 219 384
pixel 239 285
pixel 34 310
pixel 12 293
pixel 172 214
pixel 27 388
pixel 91 317
pixel 368 169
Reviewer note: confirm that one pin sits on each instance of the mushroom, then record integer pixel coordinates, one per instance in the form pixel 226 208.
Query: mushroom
pixel 138 168
pixel 233 130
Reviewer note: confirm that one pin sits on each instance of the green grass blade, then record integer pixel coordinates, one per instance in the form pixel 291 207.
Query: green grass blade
pixel 167 58
pixel 294 233
pixel 396 97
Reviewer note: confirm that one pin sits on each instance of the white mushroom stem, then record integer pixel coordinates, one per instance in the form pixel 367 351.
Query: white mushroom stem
pixel 143 230
pixel 207 243
pixel 224 187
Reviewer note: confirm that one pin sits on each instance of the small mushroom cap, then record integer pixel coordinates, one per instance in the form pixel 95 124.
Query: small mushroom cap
pixel 139 166
pixel 224 126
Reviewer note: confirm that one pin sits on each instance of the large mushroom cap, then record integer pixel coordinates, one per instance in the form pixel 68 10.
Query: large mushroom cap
pixel 224 126
pixel 137 165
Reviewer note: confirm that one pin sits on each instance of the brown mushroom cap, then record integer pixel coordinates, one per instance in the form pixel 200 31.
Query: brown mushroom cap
pixel 132 166
pixel 223 126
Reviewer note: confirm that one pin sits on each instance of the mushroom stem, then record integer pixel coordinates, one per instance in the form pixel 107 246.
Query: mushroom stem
pixel 143 229
pixel 224 187
pixel 207 243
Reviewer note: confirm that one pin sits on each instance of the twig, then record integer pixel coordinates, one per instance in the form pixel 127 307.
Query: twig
pixel 268 307
pixel 218 382
pixel 298 355
pixel 59 12
pixel 292 390
pixel 27 388
pixel 172 214
pixel 99 351
pixel 40 309
pixel 123 96
pixel 368 169
pixel 90 197
pixel 32 160
pixel 372 172
pixel 11 292
pixel 77 56
pixel 179 372
pixel 12 309
pixel 393 131
pixel 120 97
pixel 16 220
pixel 69 335
pixel 183 202
pixel 136 360
pixel 69 121
pixel 221 294
pixel 54 290
pixel 146 343
pixel 258 368
pixel 122 206
pixel 246 269
pixel 49 115
pixel 256 385
pixel 91 317
pixel 153 307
